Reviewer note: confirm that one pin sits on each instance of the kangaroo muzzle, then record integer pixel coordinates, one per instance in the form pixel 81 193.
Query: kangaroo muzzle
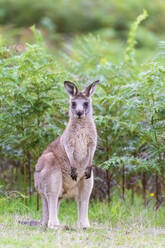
pixel 80 114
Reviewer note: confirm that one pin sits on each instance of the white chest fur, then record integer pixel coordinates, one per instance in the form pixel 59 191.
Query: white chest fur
pixel 78 139
pixel 81 142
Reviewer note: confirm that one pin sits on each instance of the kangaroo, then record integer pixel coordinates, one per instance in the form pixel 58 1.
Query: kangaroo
pixel 64 170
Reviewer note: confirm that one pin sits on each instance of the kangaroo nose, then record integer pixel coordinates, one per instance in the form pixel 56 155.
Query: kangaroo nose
pixel 79 114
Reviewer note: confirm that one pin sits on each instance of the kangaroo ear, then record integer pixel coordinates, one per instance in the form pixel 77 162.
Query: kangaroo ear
pixel 70 88
pixel 90 90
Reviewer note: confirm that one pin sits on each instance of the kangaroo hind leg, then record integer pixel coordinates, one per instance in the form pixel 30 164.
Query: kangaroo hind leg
pixel 54 188
pixel 85 189
pixel 45 211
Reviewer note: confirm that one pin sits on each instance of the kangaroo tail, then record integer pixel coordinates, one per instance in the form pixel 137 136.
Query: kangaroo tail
pixel 34 223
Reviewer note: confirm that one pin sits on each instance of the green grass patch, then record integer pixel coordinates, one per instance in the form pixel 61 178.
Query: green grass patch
pixel 115 224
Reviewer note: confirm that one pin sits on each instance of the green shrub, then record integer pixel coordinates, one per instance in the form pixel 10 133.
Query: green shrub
pixel 129 103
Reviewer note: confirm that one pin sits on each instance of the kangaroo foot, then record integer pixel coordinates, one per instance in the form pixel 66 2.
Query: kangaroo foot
pixel 58 227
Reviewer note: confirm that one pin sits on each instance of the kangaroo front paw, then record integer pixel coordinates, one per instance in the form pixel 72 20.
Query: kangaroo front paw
pixel 88 171
pixel 74 173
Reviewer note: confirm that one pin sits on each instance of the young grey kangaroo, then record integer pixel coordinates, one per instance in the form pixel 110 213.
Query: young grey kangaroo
pixel 64 169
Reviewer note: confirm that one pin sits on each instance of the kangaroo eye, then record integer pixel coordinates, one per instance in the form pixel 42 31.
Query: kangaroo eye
pixel 85 104
pixel 73 104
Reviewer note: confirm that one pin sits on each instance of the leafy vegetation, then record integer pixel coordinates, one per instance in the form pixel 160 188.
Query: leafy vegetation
pixel 129 108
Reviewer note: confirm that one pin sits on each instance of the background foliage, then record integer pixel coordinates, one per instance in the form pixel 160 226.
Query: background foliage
pixel 129 103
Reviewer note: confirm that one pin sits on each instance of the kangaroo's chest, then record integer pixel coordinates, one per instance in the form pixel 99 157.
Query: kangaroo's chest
pixel 81 142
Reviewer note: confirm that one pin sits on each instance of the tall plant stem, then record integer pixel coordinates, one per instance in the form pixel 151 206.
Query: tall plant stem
pixel 123 182
pixel 25 182
pixel 132 194
pixel 37 202
pixel 29 176
pixel 144 187
pixel 108 179
pixel 38 124
pixel 157 191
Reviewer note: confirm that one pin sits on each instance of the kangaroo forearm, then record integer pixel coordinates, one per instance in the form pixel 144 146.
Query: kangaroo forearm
pixel 88 169
pixel 91 155
pixel 69 152
pixel 72 163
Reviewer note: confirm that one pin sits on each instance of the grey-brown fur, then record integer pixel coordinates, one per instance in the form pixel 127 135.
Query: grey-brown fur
pixel 64 168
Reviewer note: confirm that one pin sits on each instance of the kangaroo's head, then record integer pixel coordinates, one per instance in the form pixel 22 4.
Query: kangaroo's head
pixel 80 101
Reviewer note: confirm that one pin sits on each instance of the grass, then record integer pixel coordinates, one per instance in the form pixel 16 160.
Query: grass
pixel 118 224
